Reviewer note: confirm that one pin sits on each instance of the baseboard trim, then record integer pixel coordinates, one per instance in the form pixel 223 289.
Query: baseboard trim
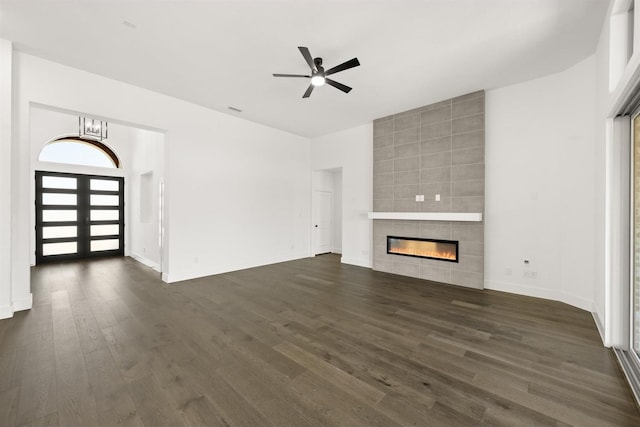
pixel 577 301
pixel 360 262
pixel 550 294
pixel 6 312
pixel 146 262
pixel 229 267
pixel 599 325
pixel 24 303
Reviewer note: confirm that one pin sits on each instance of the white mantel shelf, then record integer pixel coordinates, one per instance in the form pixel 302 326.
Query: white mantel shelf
pixel 428 216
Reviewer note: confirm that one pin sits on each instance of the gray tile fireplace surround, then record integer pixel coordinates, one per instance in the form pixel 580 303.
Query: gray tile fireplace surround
pixel 436 149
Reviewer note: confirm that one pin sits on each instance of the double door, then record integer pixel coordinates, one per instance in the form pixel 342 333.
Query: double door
pixel 78 216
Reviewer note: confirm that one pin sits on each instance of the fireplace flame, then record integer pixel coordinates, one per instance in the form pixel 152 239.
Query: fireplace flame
pixel 423 248
pixel 423 253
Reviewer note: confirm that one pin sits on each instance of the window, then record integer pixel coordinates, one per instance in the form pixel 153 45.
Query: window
pixel 79 151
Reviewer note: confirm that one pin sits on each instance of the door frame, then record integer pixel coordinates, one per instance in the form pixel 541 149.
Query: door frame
pixel 633 205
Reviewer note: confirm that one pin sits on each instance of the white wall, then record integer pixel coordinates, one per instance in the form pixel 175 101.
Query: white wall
pixel 147 158
pixel 352 151
pixel 21 201
pixel 237 193
pixel 618 80
pixel 602 97
pixel 322 180
pixel 541 201
pixel 6 303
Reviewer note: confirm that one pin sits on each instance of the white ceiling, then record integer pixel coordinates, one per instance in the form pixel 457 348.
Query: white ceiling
pixel 222 53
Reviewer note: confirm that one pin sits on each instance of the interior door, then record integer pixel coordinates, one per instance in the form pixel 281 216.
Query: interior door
pixel 78 216
pixel 323 221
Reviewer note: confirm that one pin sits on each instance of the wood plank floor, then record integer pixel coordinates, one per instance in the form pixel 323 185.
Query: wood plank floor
pixel 302 343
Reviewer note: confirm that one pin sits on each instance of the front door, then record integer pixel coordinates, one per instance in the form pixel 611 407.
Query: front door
pixel 78 216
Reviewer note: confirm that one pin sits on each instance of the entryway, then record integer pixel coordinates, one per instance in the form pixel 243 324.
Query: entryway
pixel 78 182
pixel 78 216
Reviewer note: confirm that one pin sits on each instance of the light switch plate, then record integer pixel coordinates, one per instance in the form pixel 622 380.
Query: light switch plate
pixel 437 197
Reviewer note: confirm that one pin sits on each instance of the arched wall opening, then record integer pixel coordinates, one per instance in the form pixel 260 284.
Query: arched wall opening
pixel 134 154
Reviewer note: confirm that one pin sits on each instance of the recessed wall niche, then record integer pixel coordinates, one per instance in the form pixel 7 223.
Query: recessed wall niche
pixel 436 151
pixel 146 195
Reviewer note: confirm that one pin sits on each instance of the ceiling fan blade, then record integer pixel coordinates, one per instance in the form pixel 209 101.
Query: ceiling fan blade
pixel 344 66
pixel 308 92
pixel 290 75
pixel 344 88
pixel 307 57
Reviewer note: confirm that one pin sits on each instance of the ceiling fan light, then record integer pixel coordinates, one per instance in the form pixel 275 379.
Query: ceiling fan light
pixel 317 80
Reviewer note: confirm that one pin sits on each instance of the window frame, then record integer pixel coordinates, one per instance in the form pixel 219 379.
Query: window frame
pixel 88 141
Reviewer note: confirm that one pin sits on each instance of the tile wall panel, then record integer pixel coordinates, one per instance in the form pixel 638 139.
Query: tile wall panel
pixel 434 150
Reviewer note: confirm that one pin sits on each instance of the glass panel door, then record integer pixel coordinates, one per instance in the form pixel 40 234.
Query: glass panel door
pixel 105 224
pixel 78 216
pixel 56 216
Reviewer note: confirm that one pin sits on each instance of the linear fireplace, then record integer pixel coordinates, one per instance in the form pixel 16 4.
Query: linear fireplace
pixel 444 250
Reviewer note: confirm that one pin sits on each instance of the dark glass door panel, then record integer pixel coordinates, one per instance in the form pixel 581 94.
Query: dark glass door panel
pixel 78 216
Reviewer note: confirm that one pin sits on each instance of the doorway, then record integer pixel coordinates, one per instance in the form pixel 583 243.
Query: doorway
pixel 323 224
pixel 78 216
pixel 326 211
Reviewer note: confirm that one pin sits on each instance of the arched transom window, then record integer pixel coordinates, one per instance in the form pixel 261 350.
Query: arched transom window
pixel 79 151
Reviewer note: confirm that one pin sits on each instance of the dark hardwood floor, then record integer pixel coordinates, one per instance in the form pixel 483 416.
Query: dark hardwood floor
pixel 303 343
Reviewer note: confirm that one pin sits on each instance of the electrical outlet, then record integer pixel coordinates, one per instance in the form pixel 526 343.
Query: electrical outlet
pixel 534 274
pixel 508 271
pixel 527 274
pixel 437 197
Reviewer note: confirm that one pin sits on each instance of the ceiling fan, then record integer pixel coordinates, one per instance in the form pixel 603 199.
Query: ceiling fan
pixel 319 75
